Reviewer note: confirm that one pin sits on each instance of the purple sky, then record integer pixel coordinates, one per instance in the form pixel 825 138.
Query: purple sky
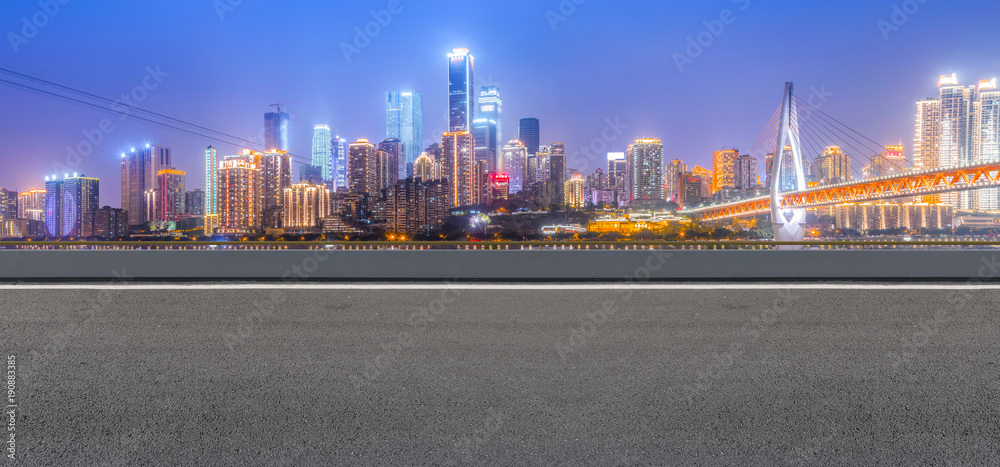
pixel 602 60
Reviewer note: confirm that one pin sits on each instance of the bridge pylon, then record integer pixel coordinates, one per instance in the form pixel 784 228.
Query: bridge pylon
pixel 787 224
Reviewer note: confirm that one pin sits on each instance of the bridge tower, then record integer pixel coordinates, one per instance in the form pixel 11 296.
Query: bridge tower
pixel 787 224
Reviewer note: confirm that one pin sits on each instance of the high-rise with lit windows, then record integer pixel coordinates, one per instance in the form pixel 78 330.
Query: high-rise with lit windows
pixel 276 130
pixel 211 181
pixel 724 168
pixel 404 121
pixel 239 193
pixel 461 91
pixel 171 195
pixel 139 167
pixel 515 156
pixel 321 150
pixel 644 164
pixel 306 205
pixel 458 166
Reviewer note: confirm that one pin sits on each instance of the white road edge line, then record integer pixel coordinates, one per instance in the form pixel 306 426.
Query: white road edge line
pixel 500 286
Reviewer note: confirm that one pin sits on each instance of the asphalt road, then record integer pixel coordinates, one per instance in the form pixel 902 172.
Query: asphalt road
pixel 504 376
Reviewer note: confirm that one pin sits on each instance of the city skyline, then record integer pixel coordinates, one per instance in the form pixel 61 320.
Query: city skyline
pixel 575 122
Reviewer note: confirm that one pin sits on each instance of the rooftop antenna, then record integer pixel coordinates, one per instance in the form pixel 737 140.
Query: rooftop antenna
pixel 278 105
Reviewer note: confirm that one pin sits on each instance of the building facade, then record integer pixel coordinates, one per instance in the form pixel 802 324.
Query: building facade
pixel 461 91
pixel 404 121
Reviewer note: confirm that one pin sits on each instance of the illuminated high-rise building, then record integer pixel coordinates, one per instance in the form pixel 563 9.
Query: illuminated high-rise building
pixel 338 164
pixel 955 146
pixel 404 121
pixel 138 178
pixel 321 150
pixel 31 205
pixel 461 91
pixel 557 170
pixel 426 168
pixel 724 168
pixel 671 179
pixel 834 166
pixel 644 163
pixel 986 139
pixel 239 193
pixel 745 172
pixel 194 202
pixel 8 204
pixel 171 195
pixel 491 107
pixel 417 206
pixel 363 168
pixel 485 136
pixel 305 205
pixel 393 166
pixel 458 166
pixel 276 130
pixel 893 159
pixel 53 206
pixel 107 223
pixel 528 134
pixel 573 189
pixel 211 181
pixel 66 200
pixel 542 164
pixel 513 163
pixel 275 174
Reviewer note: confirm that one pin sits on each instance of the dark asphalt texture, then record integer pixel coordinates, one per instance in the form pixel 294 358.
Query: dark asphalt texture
pixel 504 377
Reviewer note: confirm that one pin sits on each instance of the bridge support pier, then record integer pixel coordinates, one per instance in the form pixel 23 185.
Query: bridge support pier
pixel 786 224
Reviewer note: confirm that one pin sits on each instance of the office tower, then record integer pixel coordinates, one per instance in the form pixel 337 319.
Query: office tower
pixel 644 164
pixel 138 174
pixel 53 206
pixel 275 174
pixel 745 172
pixel 515 156
pixel 306 205
pixel 724 166
pixel 927 137
pixel 542 164
pixel 986 139
pixel 426 168
pixel 322 148
pixel 528 133
pixel 107 222
pixel 834 166
pixel 31 205
pixel 171 195
pixel 484 135
pixel 672 179
pixel 573 189
pixel 955 146
pixel 690 190
pixel 65 202
pixel 395 165
pixel 530 172
pixel 483 191
pixel 276 130
pixel 458 166
pixel 461 91
pixel 404 120
pixel 211 181
pixel 363 168
pixel 338 164
pixel 417 206
pixel 194 202
pixel 894 160
pixel 239 197
pixel 8 204
pixel 557 170
pixel 491 108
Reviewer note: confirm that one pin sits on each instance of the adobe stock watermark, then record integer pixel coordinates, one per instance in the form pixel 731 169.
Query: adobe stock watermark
pixel 901 14
pixel 363 35
pixel 123 107
pixel 224 7
pixel 613 129
pixel 697 44
pixel 564 10
pixel 31 26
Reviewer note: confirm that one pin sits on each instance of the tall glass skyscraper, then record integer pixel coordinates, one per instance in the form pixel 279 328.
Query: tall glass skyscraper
pixel 461 91
pixel 527 133
pixel 487 129
pixel 211 181
pixel 276 130
pixel 138 172
pixel 404 120
pixel 321 150
pixel 338 164
pixel 65 202
pixel 986 138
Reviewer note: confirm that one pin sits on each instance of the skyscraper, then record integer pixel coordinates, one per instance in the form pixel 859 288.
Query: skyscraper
pixel 65 202
pixel 322 149
pixel 338 163
pixel 485 137
pixel 745 172
pixel 275 174
pixel 672 179
pixel 305 205
pixel 171 195
pixel 515 156
pixel 955 146
pixel 53 206
pixel 276 130
pixel 211 181
pixel 461 91
pixel 528 133
pixel 363 169
pixel 31 205
pixel 724 168
pixel 138 173
pixel 644 163
pixel 394 167
pixel 404 121
pixel 417 206
pixel 8 204
pixel 194 202
pixel 834 166
pixel 986 138
pixel 557 170
pixel 491 107
pixel 542 164
pixel 573 189
pixel 239 197
pixel 458 166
